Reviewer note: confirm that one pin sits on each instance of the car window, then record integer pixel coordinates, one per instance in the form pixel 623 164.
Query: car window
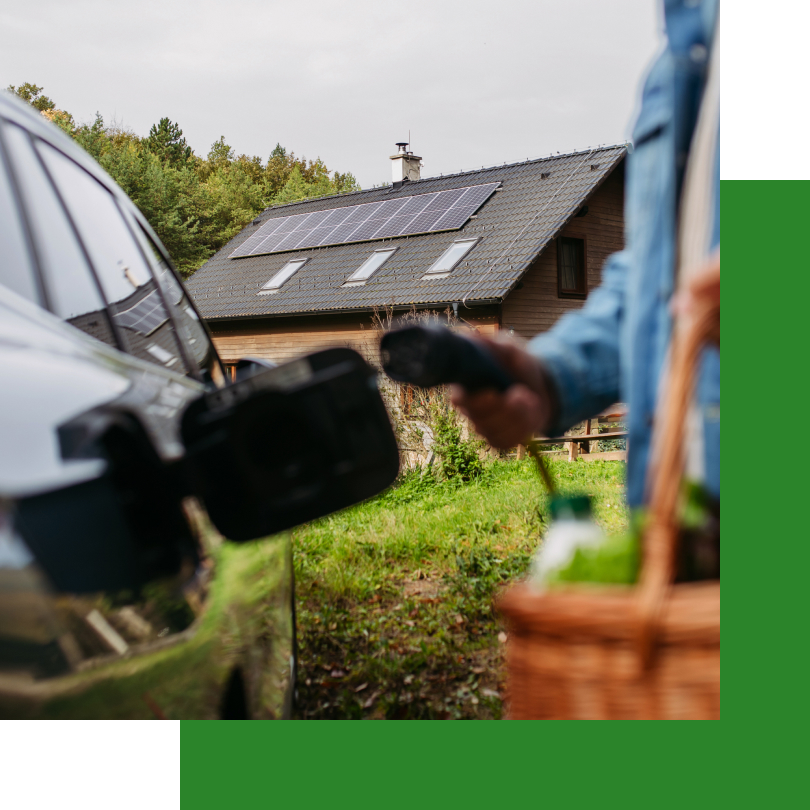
pixel 135 302
pixel 72 290
pixel 16 269
pixel 188 323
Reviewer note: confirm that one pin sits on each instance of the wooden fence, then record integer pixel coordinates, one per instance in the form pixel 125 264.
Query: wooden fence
pixel 577 441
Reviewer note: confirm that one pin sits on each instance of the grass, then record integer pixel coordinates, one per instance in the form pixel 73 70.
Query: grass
pixel 395 616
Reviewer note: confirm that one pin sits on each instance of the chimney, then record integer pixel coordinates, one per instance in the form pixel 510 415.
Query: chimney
pixel 405 165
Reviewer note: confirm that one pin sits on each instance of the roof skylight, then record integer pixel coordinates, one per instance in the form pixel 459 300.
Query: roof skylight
pixel 451 257
pixel 370 266
pixel 283 275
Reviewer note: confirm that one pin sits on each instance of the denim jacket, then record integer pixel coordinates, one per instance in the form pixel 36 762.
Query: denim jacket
pixel 614 348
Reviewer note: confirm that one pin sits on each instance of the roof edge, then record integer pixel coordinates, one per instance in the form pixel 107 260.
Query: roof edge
pixel 482 302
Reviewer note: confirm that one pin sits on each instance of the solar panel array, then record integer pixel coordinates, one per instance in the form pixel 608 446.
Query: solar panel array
pixel 145 316
pixel 422 213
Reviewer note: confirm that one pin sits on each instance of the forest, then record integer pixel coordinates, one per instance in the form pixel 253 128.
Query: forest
pixel 195 204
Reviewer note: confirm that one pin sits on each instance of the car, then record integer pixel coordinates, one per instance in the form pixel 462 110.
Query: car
pixel 145 564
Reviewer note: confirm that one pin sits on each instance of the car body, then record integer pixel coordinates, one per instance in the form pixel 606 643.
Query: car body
pixel 118 596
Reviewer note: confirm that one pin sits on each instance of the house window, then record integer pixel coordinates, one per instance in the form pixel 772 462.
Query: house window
pixel 370 266
pixel 572 280
pixel 283 275
pixel 450 258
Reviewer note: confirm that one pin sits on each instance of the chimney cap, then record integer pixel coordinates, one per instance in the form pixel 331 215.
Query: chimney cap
pixel 402 145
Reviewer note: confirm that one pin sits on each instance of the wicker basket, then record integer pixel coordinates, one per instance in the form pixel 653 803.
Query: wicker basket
pixel 647 652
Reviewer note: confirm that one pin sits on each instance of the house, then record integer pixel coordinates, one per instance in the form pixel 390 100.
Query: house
pixel 509 247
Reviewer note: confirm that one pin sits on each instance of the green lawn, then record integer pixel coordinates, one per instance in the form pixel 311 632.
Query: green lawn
pixel 394 596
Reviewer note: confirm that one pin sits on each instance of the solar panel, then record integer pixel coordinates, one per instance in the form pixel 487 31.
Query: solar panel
pixel 421 213
pixel 144 316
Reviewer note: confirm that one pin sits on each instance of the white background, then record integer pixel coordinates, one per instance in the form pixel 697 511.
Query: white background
pixel 765 102
pixel 89 765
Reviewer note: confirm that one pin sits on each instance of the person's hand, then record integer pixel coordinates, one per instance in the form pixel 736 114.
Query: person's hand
pixel 509 418
pixel 701 297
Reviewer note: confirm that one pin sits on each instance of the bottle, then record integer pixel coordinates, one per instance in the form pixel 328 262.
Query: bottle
pixel 572 528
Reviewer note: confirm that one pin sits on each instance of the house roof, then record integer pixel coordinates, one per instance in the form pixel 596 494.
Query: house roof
pixel 534 202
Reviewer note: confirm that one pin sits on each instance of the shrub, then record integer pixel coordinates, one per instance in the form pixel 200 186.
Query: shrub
pixel 459 457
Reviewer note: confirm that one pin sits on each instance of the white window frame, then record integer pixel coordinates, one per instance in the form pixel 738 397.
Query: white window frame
pixel 270 288
pixel 351 281
pixel 445 271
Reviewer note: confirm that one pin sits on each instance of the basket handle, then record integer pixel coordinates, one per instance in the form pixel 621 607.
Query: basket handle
pixel 661 533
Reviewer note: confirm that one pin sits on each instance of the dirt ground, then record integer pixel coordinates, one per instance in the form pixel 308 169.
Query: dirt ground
pixel 408 654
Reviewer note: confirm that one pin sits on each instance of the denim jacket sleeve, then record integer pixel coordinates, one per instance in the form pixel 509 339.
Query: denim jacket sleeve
pixel 615 347
pixel 581 353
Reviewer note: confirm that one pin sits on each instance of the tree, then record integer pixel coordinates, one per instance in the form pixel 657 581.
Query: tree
pixel 296 188
pixel 344 183
pixel 313 181
pixel 166 142
pixel 64 120
pixel 32 94
pixel 220 153
pixel 92 137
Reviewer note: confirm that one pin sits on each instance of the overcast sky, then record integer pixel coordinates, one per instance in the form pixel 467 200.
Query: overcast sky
pixel 476 83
